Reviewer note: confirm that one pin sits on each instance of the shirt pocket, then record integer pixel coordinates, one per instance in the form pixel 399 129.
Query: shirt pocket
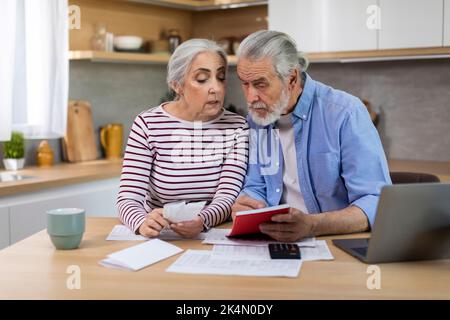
pixel 325 172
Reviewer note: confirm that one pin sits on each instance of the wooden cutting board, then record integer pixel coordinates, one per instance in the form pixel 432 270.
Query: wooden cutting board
pixel 79 141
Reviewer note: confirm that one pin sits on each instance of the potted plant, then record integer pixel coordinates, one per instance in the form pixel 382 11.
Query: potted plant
pixel 14 151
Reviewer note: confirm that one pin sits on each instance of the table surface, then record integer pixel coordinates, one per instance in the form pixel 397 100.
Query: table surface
pixel 33 269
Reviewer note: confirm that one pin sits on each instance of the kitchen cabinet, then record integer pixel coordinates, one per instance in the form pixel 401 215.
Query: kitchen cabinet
pixel 27 211
pixel 324 25
pixel 410 24
pixel 446 22
pixel 4 227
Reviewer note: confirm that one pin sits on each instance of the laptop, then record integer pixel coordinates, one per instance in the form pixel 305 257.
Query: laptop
pixel 412 223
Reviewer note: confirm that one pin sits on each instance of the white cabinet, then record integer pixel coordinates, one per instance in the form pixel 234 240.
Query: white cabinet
pixel 27 212
pixel 324 25
pixel 446 22
pixel 4 227
pixel 411 23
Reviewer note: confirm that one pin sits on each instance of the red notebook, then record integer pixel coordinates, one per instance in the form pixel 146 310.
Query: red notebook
pixel 247 222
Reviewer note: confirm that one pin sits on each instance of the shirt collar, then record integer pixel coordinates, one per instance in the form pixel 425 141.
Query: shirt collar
pixel 303 106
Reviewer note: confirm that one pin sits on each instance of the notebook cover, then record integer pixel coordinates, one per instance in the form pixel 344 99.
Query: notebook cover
pixel 247 222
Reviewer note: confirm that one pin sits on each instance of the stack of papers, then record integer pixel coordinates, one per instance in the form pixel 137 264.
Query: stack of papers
pixel 123 233
pixel 229 256
pixel 141 255
pixel 219 236
pixel 205 262
pixel 319 252
pixel 245 257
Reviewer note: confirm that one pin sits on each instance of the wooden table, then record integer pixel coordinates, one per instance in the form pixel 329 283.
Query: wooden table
pixel 33 269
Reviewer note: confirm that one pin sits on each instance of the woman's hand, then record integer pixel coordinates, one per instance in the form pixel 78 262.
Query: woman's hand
pixel 188 229
pixel 153 224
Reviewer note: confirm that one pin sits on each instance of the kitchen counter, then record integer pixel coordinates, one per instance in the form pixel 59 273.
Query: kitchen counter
pixel 35 263
pixel 60 175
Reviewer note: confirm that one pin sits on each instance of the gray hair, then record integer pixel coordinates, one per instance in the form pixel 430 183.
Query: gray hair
pixel 277 46
pixel 182 58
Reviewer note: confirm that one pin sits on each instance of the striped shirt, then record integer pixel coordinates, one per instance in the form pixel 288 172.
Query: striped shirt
pixel 169 159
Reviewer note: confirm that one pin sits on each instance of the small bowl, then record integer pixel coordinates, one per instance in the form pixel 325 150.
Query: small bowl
pixel 128 42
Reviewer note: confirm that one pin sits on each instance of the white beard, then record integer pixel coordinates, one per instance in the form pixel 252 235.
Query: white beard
pixel 278 109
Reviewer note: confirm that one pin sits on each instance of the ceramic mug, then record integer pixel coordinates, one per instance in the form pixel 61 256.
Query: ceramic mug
pixel 65 227
pixel 111 140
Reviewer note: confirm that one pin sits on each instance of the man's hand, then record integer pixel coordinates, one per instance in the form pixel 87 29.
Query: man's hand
pixel 188 229
pixel 153 224
pixel 289 227
pixel 244 203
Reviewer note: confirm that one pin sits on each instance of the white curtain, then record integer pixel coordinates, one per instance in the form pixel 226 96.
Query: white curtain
pixel 8 34
pixel 35 77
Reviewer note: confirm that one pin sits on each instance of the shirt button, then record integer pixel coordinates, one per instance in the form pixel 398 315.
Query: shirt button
pixel 278 190
pixel 277 164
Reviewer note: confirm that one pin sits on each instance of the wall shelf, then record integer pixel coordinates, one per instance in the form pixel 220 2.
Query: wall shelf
pixel 314 57
pixel 125 57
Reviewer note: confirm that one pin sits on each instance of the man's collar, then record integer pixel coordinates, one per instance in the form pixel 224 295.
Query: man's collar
pixel 302 109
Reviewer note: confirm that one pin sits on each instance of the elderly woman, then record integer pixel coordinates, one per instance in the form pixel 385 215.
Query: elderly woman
pixel 189 149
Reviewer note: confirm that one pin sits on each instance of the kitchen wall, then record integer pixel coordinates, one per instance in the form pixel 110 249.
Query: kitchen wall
pixel 412 97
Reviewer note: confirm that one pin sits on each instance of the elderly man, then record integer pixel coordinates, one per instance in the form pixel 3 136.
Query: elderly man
pixel 312 146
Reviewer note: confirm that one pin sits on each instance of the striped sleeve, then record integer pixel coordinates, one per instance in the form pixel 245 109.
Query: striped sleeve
pixel 137 163
pixel 230 182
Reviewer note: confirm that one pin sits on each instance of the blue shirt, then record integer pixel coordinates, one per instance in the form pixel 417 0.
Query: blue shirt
pixel 340 159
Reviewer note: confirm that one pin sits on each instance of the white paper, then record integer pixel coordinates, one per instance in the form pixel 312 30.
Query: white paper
pixel 204 262
pixel 241 252
pixel 123 233
pixel 180 211
pixel 168 234
pixel 319 252
pixel 141 255
pixel 219 236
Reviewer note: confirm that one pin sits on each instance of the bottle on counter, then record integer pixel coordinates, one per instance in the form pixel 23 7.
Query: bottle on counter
pixel 45 155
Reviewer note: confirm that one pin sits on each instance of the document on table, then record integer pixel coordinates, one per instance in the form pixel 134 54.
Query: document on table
pixel 205 262
pixel 319 252
pixel 141 255
pixel 123 233
pixel 219 236
pixel 181 211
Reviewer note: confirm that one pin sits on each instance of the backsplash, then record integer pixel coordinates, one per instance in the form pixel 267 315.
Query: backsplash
pixel 412 97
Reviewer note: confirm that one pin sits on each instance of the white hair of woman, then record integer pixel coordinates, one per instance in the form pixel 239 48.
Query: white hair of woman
pixel 277 46
pixel 181 59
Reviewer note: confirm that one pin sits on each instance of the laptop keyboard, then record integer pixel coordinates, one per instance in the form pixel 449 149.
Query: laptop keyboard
pixel 362 251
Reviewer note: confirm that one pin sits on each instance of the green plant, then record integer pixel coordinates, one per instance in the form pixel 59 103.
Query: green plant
pixel 15 148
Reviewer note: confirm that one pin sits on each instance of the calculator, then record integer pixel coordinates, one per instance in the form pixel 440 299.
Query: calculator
pixel 284 251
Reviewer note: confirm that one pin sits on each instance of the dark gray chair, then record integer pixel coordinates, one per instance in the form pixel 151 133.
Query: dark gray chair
pixel 398 177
